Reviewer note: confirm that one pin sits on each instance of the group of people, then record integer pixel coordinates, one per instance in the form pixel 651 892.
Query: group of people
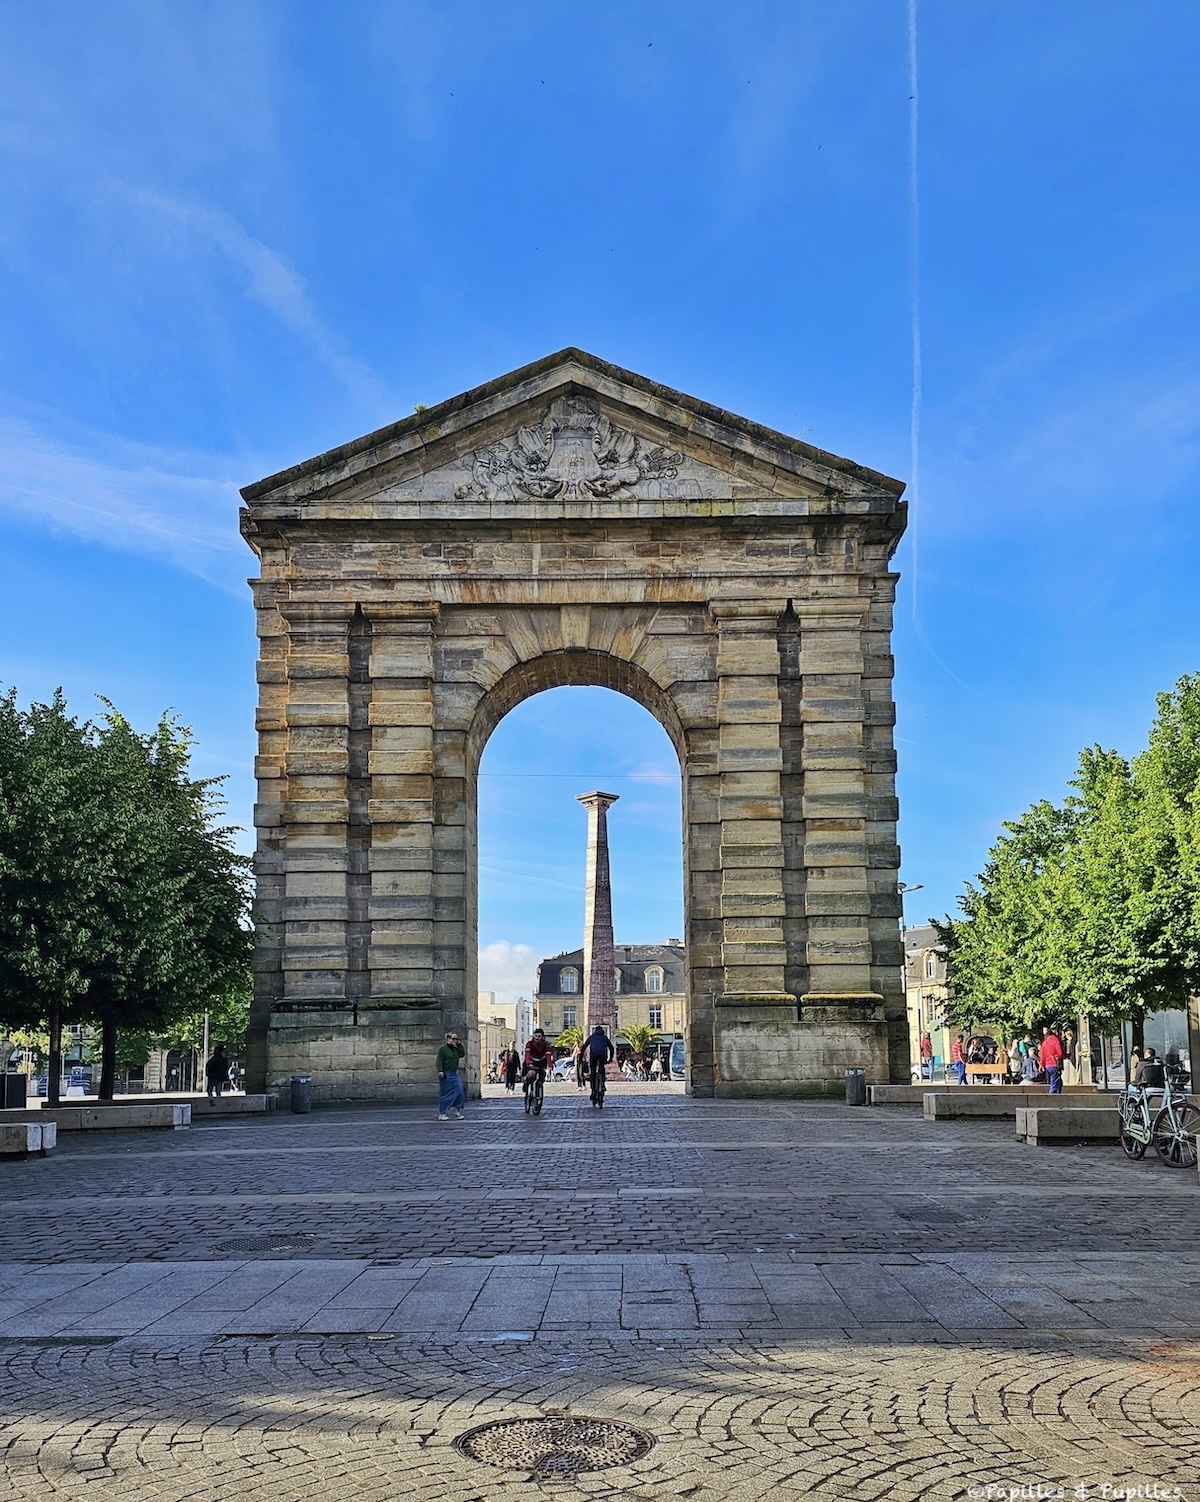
pixel 1028 1061
pixel 592 1058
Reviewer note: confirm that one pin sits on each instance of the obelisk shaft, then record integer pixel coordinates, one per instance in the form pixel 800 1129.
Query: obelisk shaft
pixel 599 981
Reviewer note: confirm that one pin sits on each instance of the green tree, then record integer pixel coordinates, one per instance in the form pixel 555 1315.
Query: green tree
pixel 1006 957
pixel 53 833
pixel 1093 906
pixel 570 1038
pixel 172 936
pixel 641 1039
pixel 121 899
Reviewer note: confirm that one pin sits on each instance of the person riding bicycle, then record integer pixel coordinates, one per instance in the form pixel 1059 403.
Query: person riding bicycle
pixel 538 1058
pixel 599 1053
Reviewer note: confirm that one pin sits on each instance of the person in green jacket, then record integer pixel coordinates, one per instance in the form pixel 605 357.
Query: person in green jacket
pixel 451 1096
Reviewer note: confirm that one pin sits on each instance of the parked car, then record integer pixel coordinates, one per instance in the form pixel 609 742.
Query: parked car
pixel 564 1069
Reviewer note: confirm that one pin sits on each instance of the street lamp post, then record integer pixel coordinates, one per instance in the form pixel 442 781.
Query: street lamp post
pixel 904 887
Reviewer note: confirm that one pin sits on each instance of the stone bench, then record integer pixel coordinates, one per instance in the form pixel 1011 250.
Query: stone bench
pixel 950 1105
pixel 914 1095
pixel 19 1139
pixel 114 1118
pixel 233 1105
pixel 1036 1125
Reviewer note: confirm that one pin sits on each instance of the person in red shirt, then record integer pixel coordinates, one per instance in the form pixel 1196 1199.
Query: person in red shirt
pixel 538 1056
pixel 959 1059
pixel 1051 1056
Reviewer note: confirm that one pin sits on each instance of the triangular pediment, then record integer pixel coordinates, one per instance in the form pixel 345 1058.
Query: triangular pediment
pixel 566 430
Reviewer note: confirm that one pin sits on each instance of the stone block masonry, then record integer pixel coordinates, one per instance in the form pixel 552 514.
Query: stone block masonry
pixel 574 523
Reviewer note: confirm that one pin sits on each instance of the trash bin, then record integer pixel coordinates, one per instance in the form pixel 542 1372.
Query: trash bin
pixel 302 1093
pixel 13 1088
pixel 856 1087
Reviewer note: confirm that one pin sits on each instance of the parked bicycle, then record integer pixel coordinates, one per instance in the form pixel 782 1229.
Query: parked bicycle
pixel 1172 1129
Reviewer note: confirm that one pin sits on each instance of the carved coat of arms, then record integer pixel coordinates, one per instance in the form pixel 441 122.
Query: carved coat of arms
pixel 574 452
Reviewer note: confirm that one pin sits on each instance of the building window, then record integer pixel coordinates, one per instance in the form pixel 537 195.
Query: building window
pixel 930 966
pixel 568 1016
pixel 654 979
pixel 616 1018
pixel 616 982
pixel 656 1018
pixel 568 982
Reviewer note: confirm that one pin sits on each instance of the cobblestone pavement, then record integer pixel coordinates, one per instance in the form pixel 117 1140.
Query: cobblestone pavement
pixel 791 1299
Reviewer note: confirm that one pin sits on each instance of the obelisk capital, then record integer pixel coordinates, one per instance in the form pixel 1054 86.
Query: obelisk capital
pixel 597 800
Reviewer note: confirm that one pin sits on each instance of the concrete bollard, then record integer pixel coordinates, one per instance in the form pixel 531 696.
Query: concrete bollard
pixel 856 1087
pixel 301 1093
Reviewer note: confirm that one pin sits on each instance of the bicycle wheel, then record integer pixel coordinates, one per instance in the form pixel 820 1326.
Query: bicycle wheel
pixel 528 1099
pixel 537 1096
pixel 1130 1146
pixel 1174 1134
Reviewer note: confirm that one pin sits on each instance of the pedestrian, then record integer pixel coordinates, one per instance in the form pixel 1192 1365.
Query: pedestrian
pixel 451 1096
pixel 580 1066
pixel 1014 1060
pixel 1031 1070
pixel 926 1056
pixel 512 1067
pixel 1070 1048
pixel 1051 1057
pixel 959 1058
pixel 216 1073
pixel 656 1069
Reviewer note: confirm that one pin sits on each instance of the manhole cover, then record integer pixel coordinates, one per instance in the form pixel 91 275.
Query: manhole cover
pixel 555 1446
pixel 297 1243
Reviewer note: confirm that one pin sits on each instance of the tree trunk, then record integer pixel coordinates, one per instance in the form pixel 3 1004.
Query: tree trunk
pixel 54 1063
pixel 108 1055
pixel 1138 1028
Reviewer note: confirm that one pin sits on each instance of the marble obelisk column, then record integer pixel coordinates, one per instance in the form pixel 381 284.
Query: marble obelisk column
pixel 599 982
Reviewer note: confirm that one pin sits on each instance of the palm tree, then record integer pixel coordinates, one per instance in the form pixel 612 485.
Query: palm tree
pixel 569 1038
pixel 641 1039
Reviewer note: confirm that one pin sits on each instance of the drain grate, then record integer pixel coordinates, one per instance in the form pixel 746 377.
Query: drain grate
pixel 299 1242
pixel 555 1446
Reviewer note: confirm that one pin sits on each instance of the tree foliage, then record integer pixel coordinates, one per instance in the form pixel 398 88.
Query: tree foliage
pixel 1093 906
pixel 641 1039
pixel 122 900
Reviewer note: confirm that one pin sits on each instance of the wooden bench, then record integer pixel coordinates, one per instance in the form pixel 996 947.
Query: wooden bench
pixel 994 1073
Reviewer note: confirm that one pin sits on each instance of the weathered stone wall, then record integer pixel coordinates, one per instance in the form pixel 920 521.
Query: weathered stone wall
pixel 401 617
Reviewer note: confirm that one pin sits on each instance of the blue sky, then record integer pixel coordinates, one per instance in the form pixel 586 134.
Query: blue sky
pixel 237 234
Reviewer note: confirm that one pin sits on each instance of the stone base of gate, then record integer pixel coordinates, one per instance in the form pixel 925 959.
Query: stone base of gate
pixel 768 1044
pixel 387 1054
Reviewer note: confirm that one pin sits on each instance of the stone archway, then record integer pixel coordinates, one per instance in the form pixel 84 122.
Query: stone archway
pixel 572 523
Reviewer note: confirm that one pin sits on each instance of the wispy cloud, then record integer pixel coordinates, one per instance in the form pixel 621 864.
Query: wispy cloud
pixel 130 496
pixel 270 280
pixel 508 969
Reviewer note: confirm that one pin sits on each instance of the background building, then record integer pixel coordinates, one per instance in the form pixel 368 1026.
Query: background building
pixel 650 989
pixel 517 1015
pixel 925 994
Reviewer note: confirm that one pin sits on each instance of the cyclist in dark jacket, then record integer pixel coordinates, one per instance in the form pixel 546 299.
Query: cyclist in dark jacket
pixel 599 1053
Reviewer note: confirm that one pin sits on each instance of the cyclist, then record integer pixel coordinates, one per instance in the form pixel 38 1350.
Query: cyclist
pixel 599 1053
pixel 538 1058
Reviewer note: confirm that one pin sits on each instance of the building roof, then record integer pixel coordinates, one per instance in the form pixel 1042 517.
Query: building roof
pixel 632 960
pixel 569 371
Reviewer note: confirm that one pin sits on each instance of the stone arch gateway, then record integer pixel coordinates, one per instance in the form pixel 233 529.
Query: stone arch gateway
pixel 573 523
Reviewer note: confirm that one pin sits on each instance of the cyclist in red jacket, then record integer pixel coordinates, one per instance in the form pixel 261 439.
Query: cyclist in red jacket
pixel 538 1058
